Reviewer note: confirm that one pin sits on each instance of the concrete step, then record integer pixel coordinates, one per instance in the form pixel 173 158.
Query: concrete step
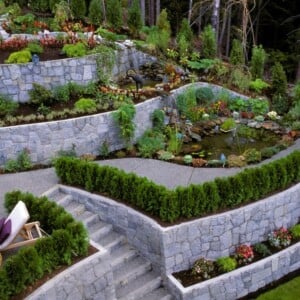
pixel 133 276
pixel 160 293
pixel 131 270
pixel 136 289
pixel 122 255
pixel 112 241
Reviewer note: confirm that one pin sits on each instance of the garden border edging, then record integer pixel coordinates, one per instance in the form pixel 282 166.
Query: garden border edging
pixel 242 281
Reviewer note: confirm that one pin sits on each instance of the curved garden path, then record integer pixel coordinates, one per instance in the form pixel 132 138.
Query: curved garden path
pixel 164 173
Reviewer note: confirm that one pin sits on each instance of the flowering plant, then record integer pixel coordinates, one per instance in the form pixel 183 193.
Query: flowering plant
pixel 280 238
pixel 203 268
pixel 272 115
pixel 244 254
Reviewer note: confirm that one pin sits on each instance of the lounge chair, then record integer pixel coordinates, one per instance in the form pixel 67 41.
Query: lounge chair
pixel 21 234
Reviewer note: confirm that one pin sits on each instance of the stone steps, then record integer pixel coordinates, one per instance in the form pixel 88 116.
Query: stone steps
pixel 132 274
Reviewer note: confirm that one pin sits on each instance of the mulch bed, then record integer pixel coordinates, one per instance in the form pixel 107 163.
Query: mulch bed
pixel 48 54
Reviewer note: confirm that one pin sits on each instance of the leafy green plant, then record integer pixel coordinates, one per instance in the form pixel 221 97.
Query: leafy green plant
pixel 158 117
pixel 61 93
pixel 104 149
pixel 40 95
pixel 35 48
pixel 86 105
pixel 295 231
pixel 174 143
pixel 240 79
pixel 228 124
pixel 238 104
pixel 105 60
pixel 150 142
pixel 75 50
pixel 259 106
pixel 124 118
pixel 22 163
pixel 262 249
pixel 7 106
pixel 165 155
pixel 226 264
pixel 204 95
pixel 186 102
pixel 252 155
pixel 258 85
pixel 188 159
pixel 19 57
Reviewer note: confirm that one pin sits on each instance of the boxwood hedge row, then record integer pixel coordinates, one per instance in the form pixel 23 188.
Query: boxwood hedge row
pixel 193 201
pixel 67 238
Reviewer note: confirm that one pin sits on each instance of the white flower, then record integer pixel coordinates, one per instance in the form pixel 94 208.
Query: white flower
pixel 272 115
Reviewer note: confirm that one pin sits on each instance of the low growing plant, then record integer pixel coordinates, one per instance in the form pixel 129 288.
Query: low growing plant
pixel 75 50
pixel 86 105
pixel 262 249
pixel 280 238
pixel 204 268
pixel 7 106
pixel 295 231
pixel 244 254
pixel 19 57
pixel 226 264
pixel 149 143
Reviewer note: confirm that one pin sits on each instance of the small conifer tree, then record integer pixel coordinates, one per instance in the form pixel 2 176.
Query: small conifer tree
pixel 209 45
pixel 135 21
pixel 95 12
pixel 237 57
pixel 114 13
pixel 279 80
pixel 164 30
pixel 78 8
pixel 257 63
pixel 185 36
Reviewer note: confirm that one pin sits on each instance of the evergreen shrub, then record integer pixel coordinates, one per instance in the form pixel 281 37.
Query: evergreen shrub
pixel 68 238
pixel 193 201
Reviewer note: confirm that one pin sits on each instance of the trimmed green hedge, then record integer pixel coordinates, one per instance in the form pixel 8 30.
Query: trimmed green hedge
pixel 183 202
pixel 66 239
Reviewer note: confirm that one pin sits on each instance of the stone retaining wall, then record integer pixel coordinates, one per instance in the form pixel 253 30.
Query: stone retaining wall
pixel 242 281
pixel 176 248
pixel 91 278
pixel 84 134
pixel 16 79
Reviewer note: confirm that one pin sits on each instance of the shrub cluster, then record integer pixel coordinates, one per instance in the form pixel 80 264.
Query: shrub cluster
pixel 184 202
pixel 67 238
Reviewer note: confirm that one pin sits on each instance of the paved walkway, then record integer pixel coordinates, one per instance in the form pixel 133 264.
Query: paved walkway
pixel 164 173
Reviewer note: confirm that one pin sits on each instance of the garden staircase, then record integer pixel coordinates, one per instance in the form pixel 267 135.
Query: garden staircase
pixel 133 275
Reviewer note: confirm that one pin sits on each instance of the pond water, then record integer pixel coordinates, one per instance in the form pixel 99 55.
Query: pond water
pixel 211 147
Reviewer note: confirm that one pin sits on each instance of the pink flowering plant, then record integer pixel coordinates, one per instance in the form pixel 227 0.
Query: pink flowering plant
pixel 280 238
pixel 244 254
